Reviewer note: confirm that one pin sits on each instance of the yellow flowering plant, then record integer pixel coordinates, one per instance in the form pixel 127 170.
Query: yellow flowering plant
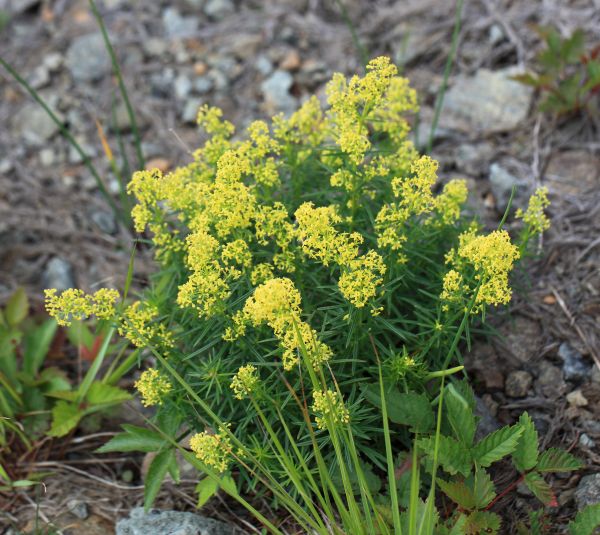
pixel 307 272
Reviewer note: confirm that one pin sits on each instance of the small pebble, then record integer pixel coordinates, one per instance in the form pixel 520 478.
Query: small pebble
pixel 79 509
pixel 585 441
pixel 518 384
pixel 577 399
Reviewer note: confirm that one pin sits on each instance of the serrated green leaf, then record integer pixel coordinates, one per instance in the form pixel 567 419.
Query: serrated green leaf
pixel 479 522
pixel 65 417
pixel 133 439
pixel 16 307
pixel 572 49
pixel 460 415
pixel 156 475
pixel 557 460
pixel 540 488
pixel 453 456
pixel 483 489
pixel 103 394
pixel 458 492
pixel 497 445
pixel 587 521
pixel 525 455
pixel 411 409
pixel 206 489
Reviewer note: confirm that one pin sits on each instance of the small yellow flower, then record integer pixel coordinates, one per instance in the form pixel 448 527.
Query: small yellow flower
pixel 330 409
pixel 74 304
pixel 534 217
pixel 153 387
pixel 214 450
pixel 245 381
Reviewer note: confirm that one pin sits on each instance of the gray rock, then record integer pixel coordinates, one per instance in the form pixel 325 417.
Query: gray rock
pixel 105 221
pixel 47 157
pixel 190 110
pixel 161 83
pixel 217 9
pixel 502 183
pixel 58 274
pixel 471 158
pixel 220 80
pixel 550 381
pixel 182 86
pixel 40 77
pixel 518 384
pixel 78 508
pixel 203 84
pixel 6 166
pixel 263 65
pixel 574 367
pixel 16 7
pixel 178 26
pixel 34 125
pixel 53 61
pixel 74 156
pixel 522 337
pixel 586 441
pixel 573 172
pixel 487 421
pixel 157 522
pixel 588 491
pixel 276 92
pixel 155 46
pixel 87 58
pixel 488 102
pixel 496 34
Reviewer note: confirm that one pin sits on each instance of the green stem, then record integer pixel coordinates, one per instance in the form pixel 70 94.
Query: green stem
pixel 449 62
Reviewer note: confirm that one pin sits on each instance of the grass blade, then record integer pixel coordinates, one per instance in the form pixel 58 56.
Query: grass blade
pixel 122 88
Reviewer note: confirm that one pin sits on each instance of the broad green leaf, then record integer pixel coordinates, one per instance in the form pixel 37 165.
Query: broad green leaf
pixel 65 417
pixel 103 394
pixel 228 485
pixel 16 307
pixel 156 475
pixel 572 49
pixel 460 415
pixel 497 445
pixel 482 522
pixel 134 439
pixel 541 490
pixel 409 409
pixel 587 521
pixel 458 492
pixel 453 456
pixel 525 455
pixel 36 345
pixel 483 489
pixel 557 460
pixel 206 489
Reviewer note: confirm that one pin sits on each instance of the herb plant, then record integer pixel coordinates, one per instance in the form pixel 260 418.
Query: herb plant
pixel 567 73
pixel 305 320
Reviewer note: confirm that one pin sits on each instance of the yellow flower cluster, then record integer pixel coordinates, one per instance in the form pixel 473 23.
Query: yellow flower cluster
pixel 330 409
pixel 449 202
pixel 207 288
pixel 414 197
pixel 277 303
pixel 534 217
pixel 245 381
pixel 380 96
pixel 214 450
pixel 138 325
pixel 305 126
pixel 74 304
pixel 491 258
pixel 153 387
pixel 361 274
